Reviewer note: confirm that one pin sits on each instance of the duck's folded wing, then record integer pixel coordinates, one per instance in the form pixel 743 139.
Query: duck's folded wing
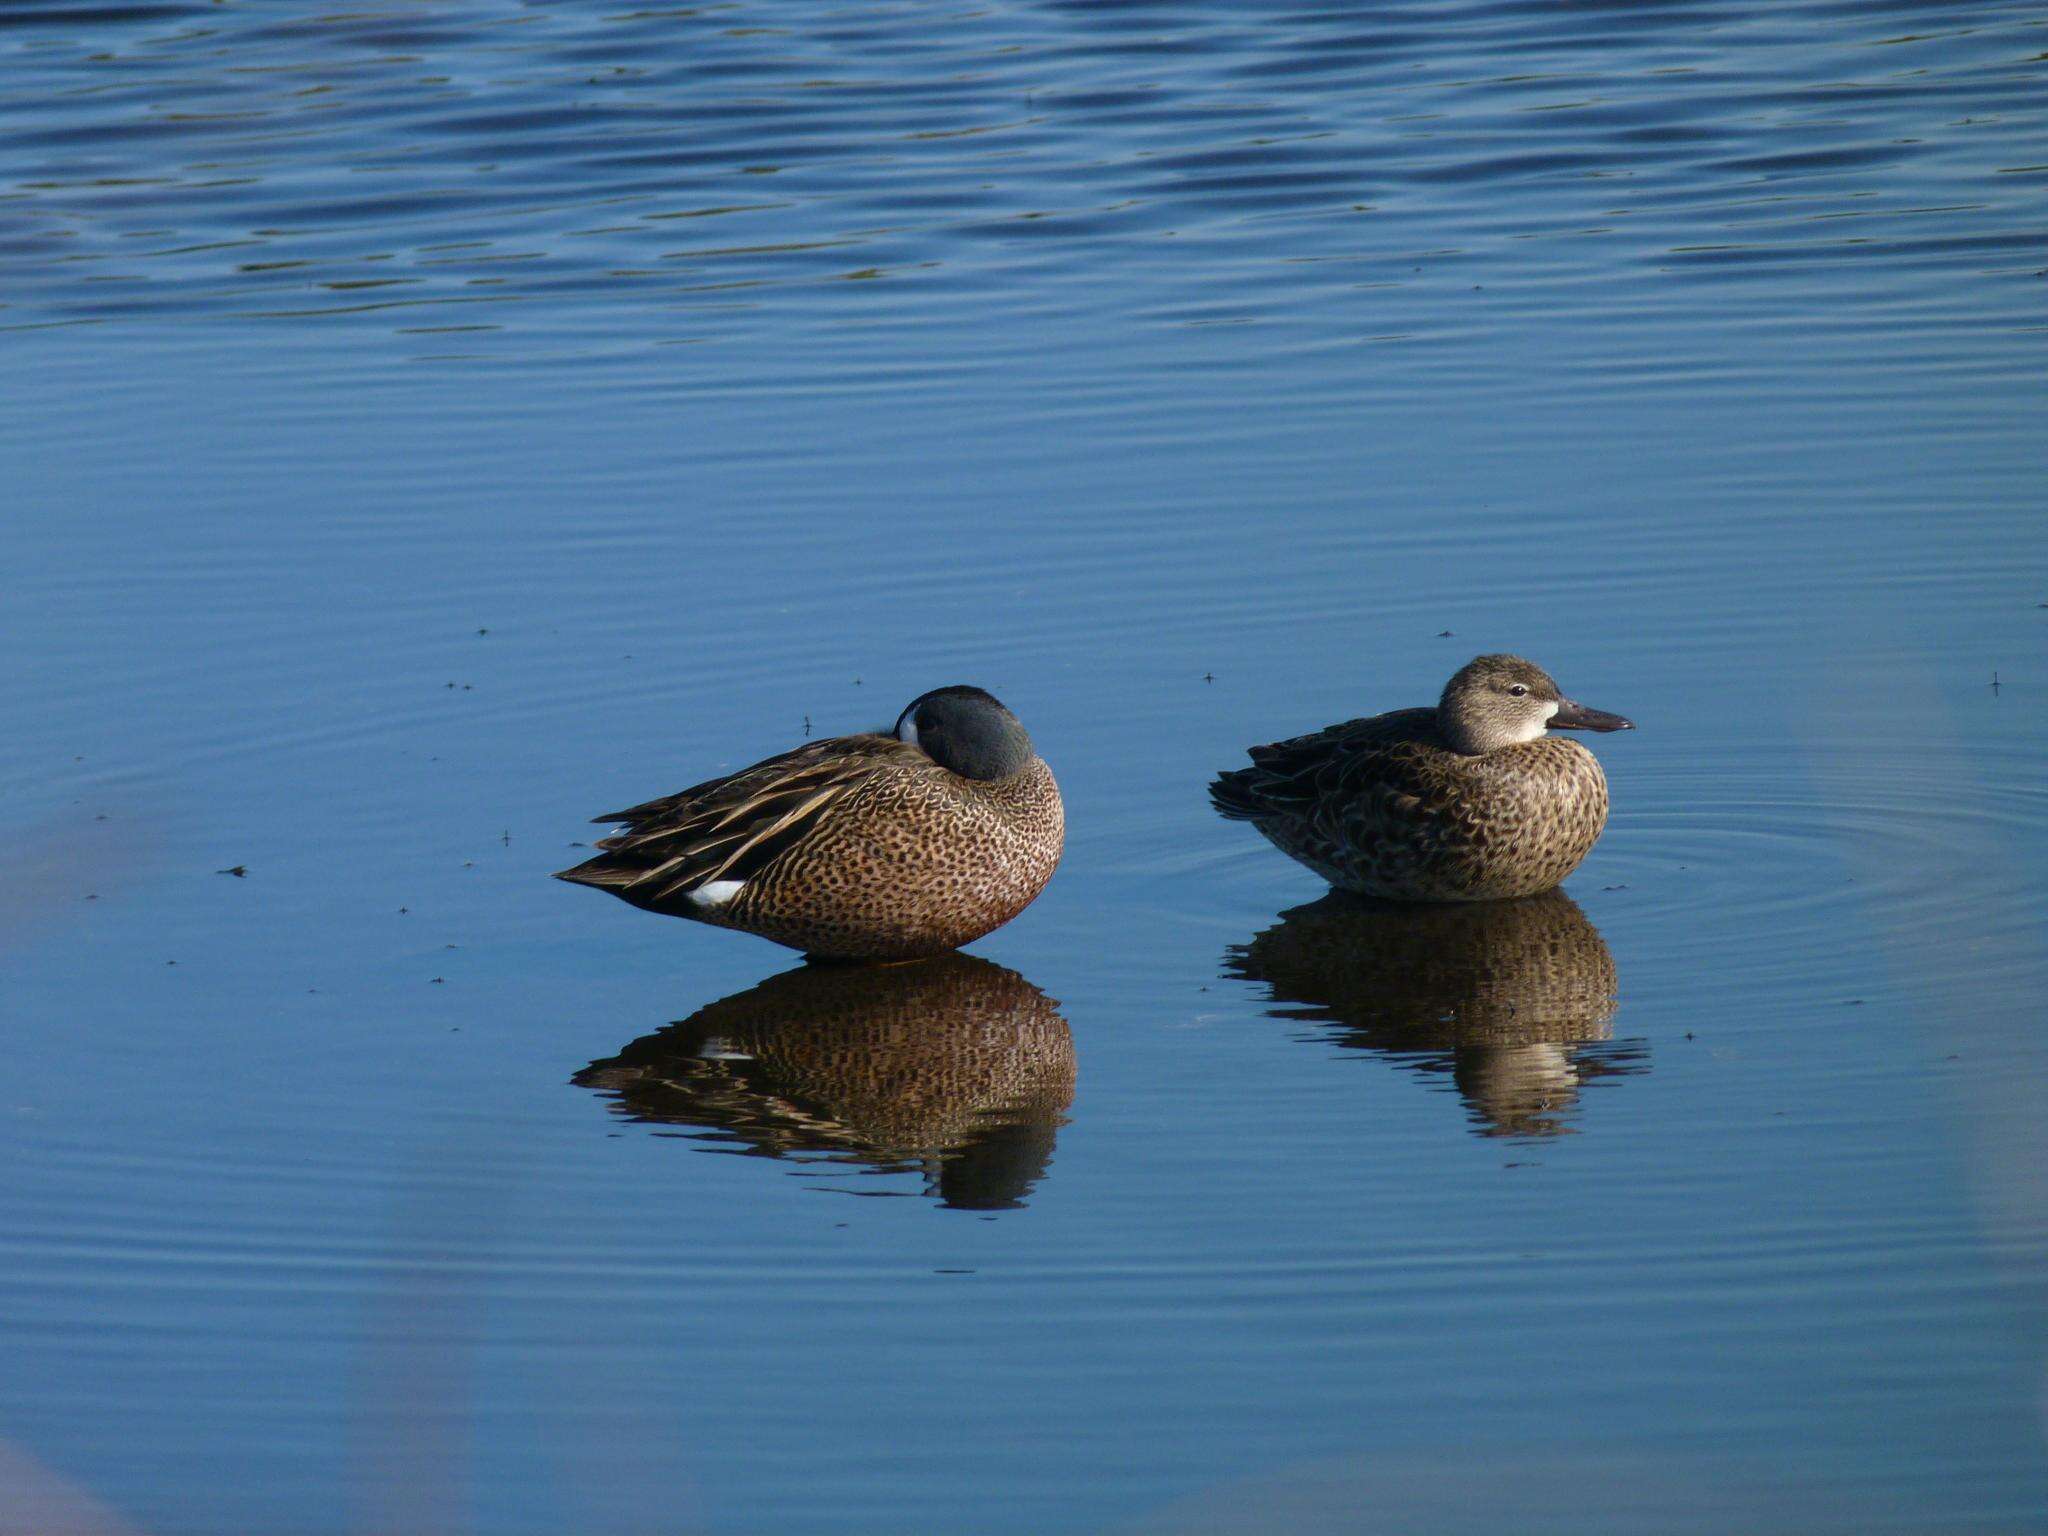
pixel 728 829
pixel 1323 771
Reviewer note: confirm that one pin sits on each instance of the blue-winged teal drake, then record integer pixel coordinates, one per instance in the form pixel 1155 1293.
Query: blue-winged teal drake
pixel 868 847
pixel 1469 801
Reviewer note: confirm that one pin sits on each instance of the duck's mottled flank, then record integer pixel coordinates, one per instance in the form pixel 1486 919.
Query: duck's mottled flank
pixel 1392 806
pixel 952 1058
pixel 859 847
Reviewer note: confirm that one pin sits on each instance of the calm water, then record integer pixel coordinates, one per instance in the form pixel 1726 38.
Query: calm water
pixel 427 426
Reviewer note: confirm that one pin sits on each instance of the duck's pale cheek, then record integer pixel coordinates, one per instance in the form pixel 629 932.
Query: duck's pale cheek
pixel 1534 729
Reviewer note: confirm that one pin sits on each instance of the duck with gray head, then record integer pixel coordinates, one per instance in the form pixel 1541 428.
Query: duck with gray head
pixel 1469 801
pixel 872 847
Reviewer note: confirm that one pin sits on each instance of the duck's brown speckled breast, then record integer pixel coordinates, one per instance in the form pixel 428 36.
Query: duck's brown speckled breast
pixel 1458 828
pixel 910 864
pixel 1532 815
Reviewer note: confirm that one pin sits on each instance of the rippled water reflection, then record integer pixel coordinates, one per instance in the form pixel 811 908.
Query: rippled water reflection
pixel 425 422
pixel 1515 999
pixel 676 174
pixel 955 1066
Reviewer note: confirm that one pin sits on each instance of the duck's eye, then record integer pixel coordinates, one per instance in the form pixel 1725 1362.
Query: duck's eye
pixel 1519 690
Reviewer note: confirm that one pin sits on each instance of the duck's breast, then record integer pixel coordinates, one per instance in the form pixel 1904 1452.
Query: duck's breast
pixel 1029 831
pixel 914 863
pixel 1535 813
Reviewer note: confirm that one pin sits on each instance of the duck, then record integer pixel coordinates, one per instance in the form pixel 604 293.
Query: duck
pixel 894 845
pixel 1472 800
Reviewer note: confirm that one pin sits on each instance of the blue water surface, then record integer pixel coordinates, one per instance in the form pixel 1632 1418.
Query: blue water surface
pixel 429 425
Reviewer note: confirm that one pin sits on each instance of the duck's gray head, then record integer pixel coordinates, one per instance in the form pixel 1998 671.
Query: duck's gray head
pixel 1502 701
pixel 967 731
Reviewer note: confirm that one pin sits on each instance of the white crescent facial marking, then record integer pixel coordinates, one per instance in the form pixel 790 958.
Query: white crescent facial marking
pixel 906 728
pixel 1537 727
pixel 716 893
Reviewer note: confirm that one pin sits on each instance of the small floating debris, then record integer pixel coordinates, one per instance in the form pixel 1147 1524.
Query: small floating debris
pixel 1444 634
pixel 239 871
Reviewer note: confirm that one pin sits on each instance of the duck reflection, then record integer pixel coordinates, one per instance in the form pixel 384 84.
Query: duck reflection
pixel 1515 999
pixel 953 1065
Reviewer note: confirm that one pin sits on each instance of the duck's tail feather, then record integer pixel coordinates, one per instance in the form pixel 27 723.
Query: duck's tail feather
pixel 1235 795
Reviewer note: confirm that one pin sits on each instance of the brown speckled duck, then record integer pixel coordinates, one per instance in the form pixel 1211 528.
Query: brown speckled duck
pixel 872 847
pixel 1469 801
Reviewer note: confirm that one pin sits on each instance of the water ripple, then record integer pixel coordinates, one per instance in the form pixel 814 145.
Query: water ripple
pixel 557 136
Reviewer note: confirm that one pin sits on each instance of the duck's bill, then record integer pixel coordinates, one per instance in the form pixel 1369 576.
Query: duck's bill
pixel 1576 717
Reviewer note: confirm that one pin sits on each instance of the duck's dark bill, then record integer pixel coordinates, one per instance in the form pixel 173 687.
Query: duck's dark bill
pixel 1576 717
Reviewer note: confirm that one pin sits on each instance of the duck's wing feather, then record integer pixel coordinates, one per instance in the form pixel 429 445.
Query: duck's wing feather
pixel 730 828
pixel 1372 759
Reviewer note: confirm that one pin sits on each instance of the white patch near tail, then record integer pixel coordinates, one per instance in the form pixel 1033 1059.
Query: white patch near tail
pixel 716 893
pixel 718 1048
